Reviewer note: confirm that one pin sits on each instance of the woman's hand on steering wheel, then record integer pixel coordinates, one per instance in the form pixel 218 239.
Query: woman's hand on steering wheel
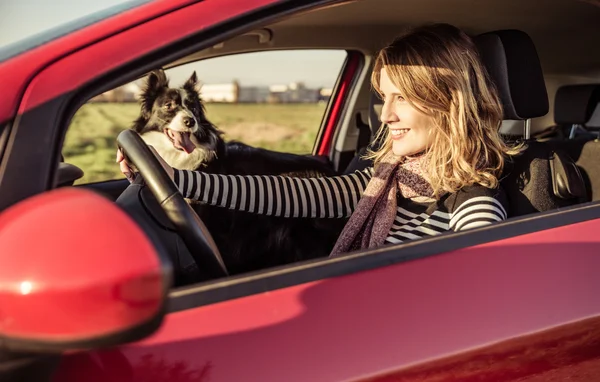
pixel 158 178
pixel 128 170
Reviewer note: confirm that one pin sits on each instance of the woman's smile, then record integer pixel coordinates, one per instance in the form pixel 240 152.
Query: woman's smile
pixel 398 133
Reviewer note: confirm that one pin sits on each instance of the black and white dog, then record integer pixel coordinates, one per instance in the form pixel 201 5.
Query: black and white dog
pixel 174 122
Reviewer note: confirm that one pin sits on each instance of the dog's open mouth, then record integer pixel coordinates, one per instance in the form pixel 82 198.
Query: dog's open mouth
pixel 181 140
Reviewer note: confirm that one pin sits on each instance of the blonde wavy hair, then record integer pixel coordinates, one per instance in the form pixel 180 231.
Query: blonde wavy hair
pixel 438 71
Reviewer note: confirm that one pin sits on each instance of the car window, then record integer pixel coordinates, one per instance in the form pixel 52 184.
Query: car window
pixel 275 100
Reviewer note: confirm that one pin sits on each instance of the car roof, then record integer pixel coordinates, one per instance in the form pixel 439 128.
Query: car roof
pixel 565 32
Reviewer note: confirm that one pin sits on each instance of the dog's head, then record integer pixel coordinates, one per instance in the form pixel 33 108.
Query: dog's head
pixel 176 116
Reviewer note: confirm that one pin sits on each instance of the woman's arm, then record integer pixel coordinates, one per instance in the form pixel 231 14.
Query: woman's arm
pixel 477 212
pixel 327 197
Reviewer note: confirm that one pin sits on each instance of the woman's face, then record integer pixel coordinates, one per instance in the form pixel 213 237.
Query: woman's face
pixel 410 129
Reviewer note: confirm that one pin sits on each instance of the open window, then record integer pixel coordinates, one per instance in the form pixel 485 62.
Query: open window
pixel 270 99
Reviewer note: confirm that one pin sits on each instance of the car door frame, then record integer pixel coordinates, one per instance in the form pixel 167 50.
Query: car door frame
pixel 421 314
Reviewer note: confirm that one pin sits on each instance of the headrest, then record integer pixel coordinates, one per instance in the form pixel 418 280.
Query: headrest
pixel 594 120
pixel 375 106
pixel 514 66
pixel 576 104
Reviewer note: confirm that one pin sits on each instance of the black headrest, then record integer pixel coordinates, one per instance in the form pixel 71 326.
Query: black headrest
pixel 575 104
pixel 513 63
pixel 375 106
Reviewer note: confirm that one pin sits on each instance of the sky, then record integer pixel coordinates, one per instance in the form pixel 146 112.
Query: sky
pixel 314 68
pixel 20 19
pixel 23 18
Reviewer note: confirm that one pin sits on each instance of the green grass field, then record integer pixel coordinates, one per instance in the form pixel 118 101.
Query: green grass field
pixel 90 141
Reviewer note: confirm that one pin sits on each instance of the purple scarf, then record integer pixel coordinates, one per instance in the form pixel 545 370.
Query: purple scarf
pixel 370 224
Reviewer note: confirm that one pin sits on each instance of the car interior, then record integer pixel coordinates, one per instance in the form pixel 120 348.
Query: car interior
pixel 541 55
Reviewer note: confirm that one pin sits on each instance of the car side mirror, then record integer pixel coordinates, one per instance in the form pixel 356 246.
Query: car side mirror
pixel 76 272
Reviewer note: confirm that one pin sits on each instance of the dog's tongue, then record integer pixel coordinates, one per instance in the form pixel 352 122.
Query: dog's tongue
pixel 182 141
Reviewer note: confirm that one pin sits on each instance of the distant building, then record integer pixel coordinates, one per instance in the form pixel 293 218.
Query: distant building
pixel 278 94
pixel 253 94
pixel 219 92
pixel 325 94
pixel 234 93
pixel 295 92
pixel 127 93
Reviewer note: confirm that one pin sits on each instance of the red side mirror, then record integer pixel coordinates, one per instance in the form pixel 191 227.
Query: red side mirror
pixel 76 272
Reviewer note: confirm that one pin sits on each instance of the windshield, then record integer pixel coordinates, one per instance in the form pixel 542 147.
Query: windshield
pixel 30 23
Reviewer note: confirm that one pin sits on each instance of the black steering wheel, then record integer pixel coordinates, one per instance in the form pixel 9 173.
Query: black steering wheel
pixel 192 230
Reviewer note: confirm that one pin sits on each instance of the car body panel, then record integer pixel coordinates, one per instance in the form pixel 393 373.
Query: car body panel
pixel 567 353
pixel 380 321
pixel 18 70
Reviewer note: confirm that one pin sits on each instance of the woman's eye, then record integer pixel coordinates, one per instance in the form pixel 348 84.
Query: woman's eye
pixel 400 99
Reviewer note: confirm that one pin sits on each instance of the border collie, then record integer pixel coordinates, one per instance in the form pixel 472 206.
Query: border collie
pixel 173 120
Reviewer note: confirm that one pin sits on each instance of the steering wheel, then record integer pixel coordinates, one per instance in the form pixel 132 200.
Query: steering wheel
pixel 192 230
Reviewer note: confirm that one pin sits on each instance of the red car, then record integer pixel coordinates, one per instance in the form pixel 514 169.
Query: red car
pixel 85 292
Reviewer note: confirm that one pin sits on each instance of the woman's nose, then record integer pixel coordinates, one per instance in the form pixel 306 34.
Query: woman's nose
pixel 387 113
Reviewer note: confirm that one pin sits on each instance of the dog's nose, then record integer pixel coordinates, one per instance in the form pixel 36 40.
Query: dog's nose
pixel 189 122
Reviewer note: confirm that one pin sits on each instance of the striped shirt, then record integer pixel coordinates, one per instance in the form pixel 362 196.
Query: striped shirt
pixel 338 196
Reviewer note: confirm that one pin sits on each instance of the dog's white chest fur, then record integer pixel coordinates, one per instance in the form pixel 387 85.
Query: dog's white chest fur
pixel 176 158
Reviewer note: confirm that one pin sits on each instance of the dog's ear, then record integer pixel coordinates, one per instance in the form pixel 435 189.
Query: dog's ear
pixel 156 81
pixel 191 83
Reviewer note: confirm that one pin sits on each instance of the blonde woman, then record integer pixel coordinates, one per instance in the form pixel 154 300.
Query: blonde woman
pixel 438 166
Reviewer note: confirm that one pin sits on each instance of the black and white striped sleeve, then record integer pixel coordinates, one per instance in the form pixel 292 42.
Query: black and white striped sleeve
pixel 476 212
pixel 327 197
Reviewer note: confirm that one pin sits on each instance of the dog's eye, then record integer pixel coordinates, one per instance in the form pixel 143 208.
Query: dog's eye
pixel 169 105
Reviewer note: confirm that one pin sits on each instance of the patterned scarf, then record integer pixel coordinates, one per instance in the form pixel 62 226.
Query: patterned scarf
pixel 370 224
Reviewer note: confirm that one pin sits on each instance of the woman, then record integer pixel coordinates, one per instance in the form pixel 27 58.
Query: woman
pixel 436 170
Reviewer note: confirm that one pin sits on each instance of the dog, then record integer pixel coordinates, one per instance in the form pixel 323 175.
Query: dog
pixel 174 122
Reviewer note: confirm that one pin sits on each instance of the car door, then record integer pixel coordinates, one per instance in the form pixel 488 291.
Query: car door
pixel 493 296
pixel 521 308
